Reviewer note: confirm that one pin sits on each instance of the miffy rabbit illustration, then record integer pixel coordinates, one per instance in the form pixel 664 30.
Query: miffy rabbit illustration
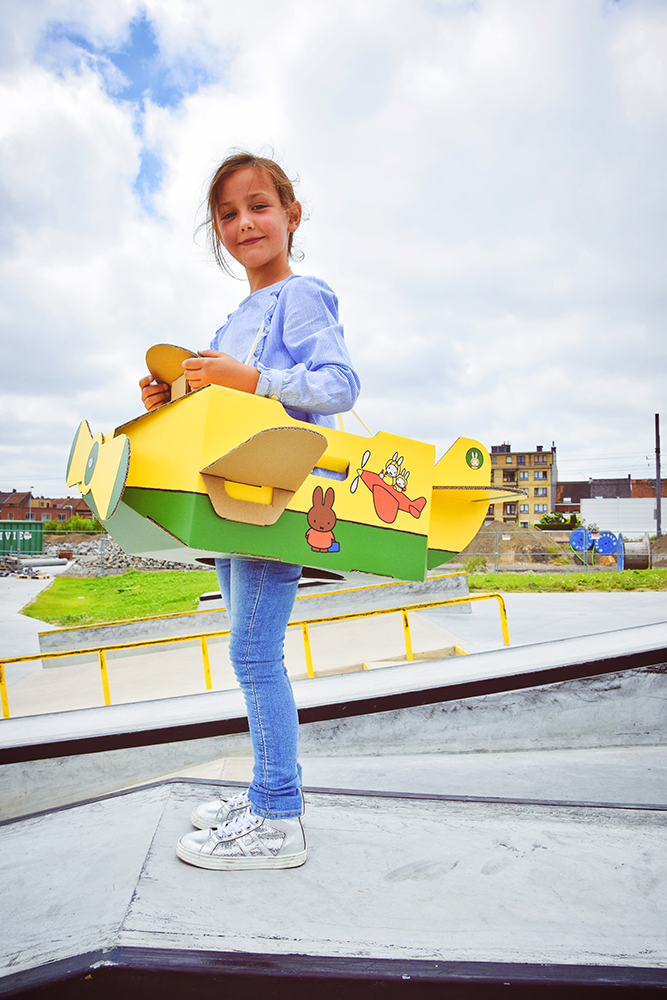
pixel 402 480
pixel 391 469
pixel 321 518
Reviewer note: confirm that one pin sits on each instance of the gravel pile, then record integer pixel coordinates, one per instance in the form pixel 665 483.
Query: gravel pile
pixel 659 552
pixel 90 558
pixel 522 547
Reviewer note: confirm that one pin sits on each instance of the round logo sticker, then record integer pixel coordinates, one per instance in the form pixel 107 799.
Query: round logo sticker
pixel 474 458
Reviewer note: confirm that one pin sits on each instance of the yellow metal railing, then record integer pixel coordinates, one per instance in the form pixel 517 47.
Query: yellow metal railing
pixel 203 639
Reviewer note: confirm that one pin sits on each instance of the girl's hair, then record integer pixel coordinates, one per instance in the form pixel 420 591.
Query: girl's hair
pixel 237 161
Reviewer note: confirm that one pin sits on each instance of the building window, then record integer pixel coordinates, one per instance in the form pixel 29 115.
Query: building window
pixel 491 475
pixel 493 459
pixel 540 491
pixel 523 474
pixel 62 517
pixel 509 476
pixel 540 459
pixel 510 508
pixel 508 460
pixel 540 508
pixel 490 510
pixel 540 474
pixel 30 516
pixel 10 516
pixel 520 459
pixel 523 524
pixel 523 508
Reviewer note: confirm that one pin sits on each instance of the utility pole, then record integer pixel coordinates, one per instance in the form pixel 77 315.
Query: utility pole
pixel 658 491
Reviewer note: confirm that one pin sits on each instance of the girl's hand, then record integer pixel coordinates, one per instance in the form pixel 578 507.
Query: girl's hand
pixel 214 368
pixel 153 394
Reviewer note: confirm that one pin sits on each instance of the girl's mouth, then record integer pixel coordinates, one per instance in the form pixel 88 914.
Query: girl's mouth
pixel 251 242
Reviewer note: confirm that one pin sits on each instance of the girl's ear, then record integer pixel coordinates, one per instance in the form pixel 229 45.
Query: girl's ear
pixel 294 216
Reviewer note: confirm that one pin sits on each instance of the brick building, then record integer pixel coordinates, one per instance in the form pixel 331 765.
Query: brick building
pixel 17 506
pixel 570 494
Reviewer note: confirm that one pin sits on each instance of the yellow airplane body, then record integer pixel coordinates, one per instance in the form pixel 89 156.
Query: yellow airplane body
pixel 218 471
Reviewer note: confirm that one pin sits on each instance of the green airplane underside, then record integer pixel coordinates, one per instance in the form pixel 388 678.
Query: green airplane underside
pixel 172 524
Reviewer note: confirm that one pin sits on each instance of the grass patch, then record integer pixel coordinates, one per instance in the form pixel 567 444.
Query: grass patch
pixel 542 583
pixel 79 601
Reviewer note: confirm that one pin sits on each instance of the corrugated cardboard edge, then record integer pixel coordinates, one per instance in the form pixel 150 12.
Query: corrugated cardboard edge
pixel 165 361
pixel 280 458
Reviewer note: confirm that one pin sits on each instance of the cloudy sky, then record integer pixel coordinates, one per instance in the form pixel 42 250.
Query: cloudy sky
pixel 485 189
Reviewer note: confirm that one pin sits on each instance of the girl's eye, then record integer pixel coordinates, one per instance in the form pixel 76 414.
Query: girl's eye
pixel 259 206
pixel 227 216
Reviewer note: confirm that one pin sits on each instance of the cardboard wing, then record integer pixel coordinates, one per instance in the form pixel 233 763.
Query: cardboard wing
pixel 255 481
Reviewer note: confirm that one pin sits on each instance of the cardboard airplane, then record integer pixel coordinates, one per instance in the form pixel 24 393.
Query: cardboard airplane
pixel 217 471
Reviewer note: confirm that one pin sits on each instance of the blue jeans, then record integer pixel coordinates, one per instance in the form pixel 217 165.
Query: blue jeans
pixel 259 597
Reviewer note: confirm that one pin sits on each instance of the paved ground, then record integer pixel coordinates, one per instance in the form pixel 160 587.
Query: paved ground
pixel 386 878
pixel 547 617
pixel 609 774
pixel 178 670
pixel 18 634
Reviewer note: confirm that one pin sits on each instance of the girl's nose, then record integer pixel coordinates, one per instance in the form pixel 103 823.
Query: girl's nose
pixel 246 224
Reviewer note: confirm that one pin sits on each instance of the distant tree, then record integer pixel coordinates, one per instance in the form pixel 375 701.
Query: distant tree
pixel 76 523
pixel 558 522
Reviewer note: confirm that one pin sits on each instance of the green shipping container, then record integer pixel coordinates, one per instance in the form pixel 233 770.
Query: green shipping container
pixel 21 538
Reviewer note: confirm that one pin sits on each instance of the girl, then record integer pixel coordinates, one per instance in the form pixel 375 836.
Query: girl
pixel 284 341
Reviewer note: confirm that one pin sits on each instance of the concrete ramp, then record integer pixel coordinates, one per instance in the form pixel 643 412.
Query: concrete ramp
pixel 547 681
pixel 485 826
pixel 404 890
pixel 594 692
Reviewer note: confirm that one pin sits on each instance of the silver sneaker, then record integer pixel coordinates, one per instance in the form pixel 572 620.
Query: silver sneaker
pixel 216 812
pixel 246 841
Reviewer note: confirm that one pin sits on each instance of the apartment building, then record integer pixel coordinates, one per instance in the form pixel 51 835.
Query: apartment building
pixel 535 472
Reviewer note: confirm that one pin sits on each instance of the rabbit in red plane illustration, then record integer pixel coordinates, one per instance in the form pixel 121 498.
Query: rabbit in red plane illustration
pixel 391 469
pixel 388 488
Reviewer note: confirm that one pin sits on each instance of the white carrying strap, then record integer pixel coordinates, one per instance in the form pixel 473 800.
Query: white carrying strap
pixel 254 344
pixel 354 414
pixel 340 415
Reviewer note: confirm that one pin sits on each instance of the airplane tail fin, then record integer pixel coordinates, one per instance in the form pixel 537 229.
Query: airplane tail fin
pixel 467 463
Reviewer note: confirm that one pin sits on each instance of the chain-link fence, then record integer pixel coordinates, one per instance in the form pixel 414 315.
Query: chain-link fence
pixel 509 549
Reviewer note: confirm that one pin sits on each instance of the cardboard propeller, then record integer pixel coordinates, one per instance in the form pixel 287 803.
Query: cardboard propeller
pixel 99 466
pixel 165 363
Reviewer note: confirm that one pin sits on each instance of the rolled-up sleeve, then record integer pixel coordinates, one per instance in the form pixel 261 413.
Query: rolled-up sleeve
pixel 304 362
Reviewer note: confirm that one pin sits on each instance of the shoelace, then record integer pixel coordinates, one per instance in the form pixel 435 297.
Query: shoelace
pixel 234 827
pixel 236 800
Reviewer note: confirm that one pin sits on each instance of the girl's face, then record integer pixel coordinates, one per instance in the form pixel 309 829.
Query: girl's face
pixel 254 226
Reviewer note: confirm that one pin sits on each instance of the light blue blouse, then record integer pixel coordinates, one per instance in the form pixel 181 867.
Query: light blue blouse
pixel 301 354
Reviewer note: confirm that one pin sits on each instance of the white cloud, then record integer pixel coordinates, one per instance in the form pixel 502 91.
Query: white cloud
pixel 485 185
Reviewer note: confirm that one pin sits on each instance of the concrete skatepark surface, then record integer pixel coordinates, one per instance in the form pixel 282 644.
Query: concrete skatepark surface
pixel 575 886
pixel 456 852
